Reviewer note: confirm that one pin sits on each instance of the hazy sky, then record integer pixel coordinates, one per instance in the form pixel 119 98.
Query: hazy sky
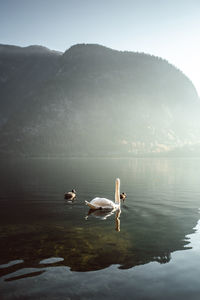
pixel 166 28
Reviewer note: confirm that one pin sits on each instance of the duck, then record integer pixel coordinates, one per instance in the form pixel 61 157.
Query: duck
pixel 70 195
pixel 106 204
pixel 123 196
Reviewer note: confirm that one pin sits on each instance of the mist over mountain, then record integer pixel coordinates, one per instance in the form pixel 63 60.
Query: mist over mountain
pixel 92 100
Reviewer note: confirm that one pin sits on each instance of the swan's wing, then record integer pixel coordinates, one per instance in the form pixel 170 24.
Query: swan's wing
pixel 101 202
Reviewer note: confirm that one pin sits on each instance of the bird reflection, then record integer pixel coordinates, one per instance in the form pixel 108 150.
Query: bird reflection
pixel 104 214
pixel 117 220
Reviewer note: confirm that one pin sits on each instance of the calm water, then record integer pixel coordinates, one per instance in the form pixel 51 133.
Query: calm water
pixel 50 250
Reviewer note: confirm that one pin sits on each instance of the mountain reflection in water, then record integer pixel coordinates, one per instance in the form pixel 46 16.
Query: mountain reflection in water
pixel 40 230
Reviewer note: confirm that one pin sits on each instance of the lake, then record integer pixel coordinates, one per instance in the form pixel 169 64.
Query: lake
pixel 52 249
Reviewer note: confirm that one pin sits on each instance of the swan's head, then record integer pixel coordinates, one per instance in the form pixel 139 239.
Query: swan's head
pixel 117 181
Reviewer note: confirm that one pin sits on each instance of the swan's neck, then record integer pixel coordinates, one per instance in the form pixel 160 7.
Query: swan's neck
pixel 117 192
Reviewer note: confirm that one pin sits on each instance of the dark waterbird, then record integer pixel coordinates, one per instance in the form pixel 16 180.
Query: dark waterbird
pixel 70 195
pixel 123 196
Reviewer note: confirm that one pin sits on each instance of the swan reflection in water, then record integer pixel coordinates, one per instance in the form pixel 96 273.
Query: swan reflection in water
pixel 104 214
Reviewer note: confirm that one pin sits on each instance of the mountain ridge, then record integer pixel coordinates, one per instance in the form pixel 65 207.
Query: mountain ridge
pixel 93 100
pixel 34 49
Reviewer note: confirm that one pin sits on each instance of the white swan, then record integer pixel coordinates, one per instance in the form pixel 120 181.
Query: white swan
pixel 103 203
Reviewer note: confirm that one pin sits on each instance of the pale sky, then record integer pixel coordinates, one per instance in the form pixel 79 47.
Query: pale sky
pixel 165 28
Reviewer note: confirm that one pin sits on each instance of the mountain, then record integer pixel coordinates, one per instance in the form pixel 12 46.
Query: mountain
pixel 21 71
pixel 92 100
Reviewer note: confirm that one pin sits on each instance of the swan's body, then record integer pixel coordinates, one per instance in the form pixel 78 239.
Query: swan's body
pixel 103 203
pixel 70 195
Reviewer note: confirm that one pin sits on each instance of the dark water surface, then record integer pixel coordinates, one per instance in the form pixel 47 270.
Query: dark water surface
pixel 49 250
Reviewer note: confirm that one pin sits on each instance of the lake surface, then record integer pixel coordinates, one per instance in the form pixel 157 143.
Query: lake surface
pixel 51 248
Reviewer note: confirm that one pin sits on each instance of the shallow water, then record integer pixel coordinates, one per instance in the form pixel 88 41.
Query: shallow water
pixel 50 250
